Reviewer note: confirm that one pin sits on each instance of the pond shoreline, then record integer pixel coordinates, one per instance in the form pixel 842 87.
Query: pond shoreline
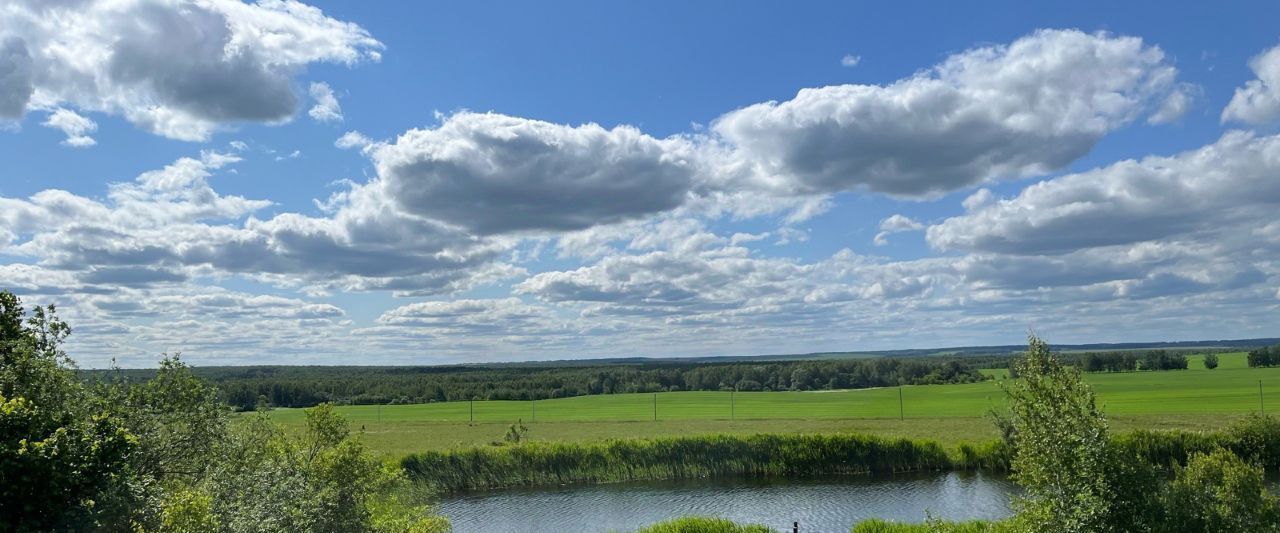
pixel 827 503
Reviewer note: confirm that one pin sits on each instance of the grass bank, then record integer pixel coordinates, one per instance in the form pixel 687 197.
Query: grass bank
pixel 793 456
pixel 1256 439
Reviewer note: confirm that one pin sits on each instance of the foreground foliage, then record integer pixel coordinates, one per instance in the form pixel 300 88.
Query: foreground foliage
pixel 161 456
pixel 1077 479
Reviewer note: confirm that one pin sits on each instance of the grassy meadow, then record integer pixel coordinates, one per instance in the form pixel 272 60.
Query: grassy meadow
pixel 1191 399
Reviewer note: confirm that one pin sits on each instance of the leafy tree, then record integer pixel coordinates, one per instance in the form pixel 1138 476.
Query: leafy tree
pixel 1264 356
pixel 177 418
pixel 63 466
pixel 160 455
pixel 325 480
pixel 1220 493
pixel 1211 361
pixel 1060 443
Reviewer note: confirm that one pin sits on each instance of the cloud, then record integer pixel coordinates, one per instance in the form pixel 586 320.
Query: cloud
pixel 353 139
pixel 994 112
pixel 978 199
pixel 1226 186
pixel 652 254
pixel 850 60
pixel 693 274
pixel 895 224
pixel 15 78
pixel 326 108
pixel 76 127
pixel 987 113
pixel 178 69
pixel 1175 105
pixel 1258 102
pixel 507 316
pixel 169 225
pixel 492 173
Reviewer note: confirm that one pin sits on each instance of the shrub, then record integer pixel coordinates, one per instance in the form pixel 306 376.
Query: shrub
pixel 1256 439
pixel 1220 493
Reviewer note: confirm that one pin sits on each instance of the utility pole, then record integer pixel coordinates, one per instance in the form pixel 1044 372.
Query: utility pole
pixel 901 415
pixel 473 410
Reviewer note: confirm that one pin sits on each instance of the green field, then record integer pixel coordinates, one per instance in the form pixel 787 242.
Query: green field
pixel 1194 398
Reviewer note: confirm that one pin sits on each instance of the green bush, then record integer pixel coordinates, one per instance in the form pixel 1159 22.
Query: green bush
pixel 1220 493
pixel 1256 439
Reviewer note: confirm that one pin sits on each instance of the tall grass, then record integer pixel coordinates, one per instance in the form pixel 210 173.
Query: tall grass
pixel 536 463
pixel 697 524
pixel 1256 439
pixel 936 526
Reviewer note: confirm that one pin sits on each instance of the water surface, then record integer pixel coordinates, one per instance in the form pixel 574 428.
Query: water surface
pixel 820 505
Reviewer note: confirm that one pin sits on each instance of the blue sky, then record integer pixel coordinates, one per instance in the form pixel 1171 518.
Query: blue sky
pixel 585 179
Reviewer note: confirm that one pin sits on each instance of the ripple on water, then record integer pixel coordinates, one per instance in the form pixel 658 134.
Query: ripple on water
pixel 827 504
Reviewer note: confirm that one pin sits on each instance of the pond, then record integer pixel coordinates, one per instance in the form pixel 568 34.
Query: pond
pixel 819 505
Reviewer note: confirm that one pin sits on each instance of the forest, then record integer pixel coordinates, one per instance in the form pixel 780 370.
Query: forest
pixel 246 388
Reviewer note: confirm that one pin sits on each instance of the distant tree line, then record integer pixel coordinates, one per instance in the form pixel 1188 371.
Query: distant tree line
pixel 246 388
pixel 1130 361
pixel 1265 356
pixel 1115 361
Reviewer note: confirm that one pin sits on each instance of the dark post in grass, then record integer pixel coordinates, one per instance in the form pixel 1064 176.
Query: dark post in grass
pixel 655 407
pixel 1261 406
pixel 901 415
pixel 735 389
pixel 535 410
pixel 473 410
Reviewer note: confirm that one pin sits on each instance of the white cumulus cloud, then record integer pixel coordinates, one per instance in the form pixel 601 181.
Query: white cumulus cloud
pixel 181 69
pixel 1258 102
pixel 75 126
pixel 1005 111
pixel 326 108
pixel 895 224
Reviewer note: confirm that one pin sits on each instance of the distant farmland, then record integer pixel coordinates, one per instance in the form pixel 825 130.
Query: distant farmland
pixel 950 412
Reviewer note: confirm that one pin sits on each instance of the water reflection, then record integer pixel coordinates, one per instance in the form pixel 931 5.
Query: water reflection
pixel 828 504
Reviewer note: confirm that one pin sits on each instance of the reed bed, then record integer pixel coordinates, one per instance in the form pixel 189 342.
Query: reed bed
pixel 794 456
pixel 1255 438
